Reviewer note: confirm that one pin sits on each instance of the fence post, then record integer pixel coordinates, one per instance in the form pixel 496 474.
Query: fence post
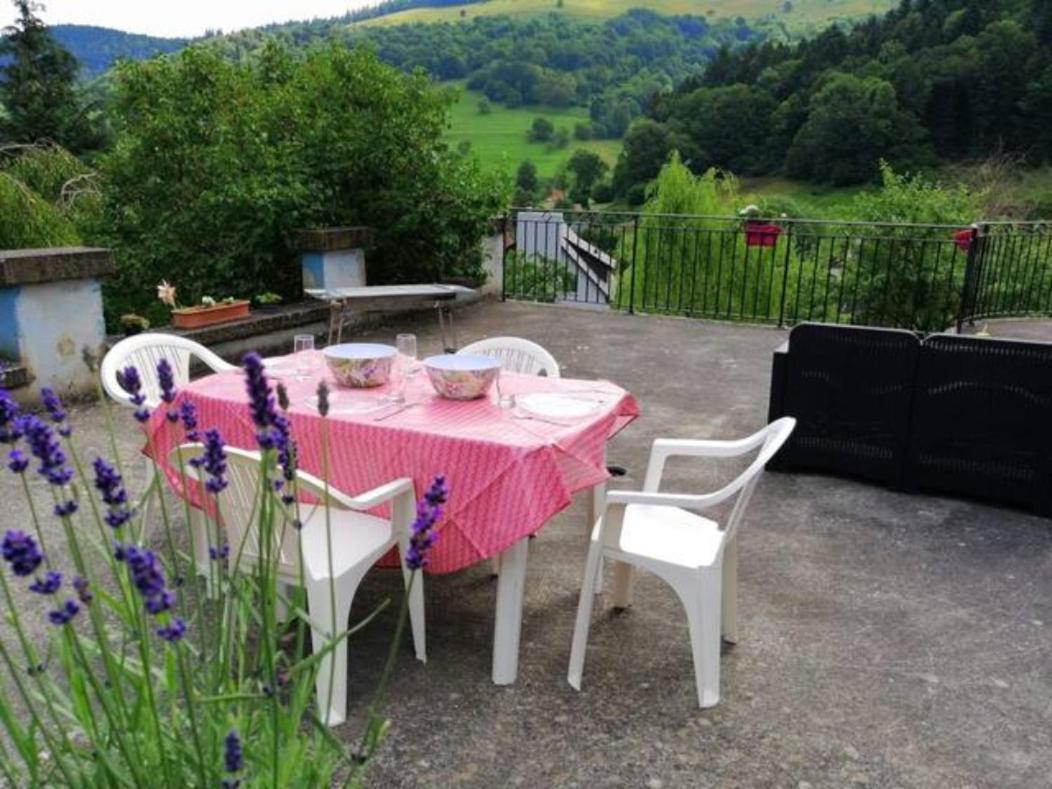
pixel 635 248
pixel 971 282
pixel 785 277
pixel 504 257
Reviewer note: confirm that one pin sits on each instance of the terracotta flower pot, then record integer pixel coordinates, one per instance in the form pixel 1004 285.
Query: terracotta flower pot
pixel 196 317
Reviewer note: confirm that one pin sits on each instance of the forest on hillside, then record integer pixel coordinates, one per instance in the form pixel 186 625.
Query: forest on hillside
pixel 930 82
pixel 614 67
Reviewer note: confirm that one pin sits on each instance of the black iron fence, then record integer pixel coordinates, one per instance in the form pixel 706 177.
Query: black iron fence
pixel 783 271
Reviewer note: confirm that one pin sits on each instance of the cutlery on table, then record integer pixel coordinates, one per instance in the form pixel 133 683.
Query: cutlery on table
pixel 400 409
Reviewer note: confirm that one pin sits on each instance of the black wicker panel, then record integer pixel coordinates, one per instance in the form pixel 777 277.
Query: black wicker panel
pixel 982 420
pixel 850 389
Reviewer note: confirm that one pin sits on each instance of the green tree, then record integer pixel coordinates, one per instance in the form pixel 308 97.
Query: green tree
pixel 853 123
pixel 646 148
pixel 726 127
pixel 38 86
pixel 527 184
pixel 485 107
pixel 587 168
pixel 542 130
pixel 217 163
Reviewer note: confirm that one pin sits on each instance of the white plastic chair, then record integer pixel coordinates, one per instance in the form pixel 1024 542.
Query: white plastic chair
pixel 517 355
pixel 144 351
pixel 697 557
pixel 359 540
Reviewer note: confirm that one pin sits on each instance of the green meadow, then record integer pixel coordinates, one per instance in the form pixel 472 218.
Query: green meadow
pixel 795 15
pixel 499 139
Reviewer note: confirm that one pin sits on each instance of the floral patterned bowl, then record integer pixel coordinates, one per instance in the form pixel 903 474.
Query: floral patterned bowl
pixel 360 365
pixel 462 376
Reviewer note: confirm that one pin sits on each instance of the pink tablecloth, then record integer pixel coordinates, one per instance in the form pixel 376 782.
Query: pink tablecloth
pixel 507 476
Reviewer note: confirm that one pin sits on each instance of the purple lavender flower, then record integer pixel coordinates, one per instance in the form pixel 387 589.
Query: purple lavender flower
pixel 173 631
pixel 219 552
pixel 213 461
pixel 323 398
pixel 83 590
pixel 188 414
pixel 53 406
pixel 17 461
pixel 49 584
pixel 286 456
pixel 21 552
pixel 260 400
pixel 147 576
pixel 46 449
pixel 233 753
pixel 166 380
pixel 110 486
pixel 63 615
pixel 9 428
pixel 130 382
pixel 65 508
pixel 428 513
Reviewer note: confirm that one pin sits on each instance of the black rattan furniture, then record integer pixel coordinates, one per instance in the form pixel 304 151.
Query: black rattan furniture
pixel 850 390
pixel 982 420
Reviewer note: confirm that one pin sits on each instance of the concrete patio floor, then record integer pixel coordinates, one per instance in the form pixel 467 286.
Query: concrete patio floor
pixel 886 640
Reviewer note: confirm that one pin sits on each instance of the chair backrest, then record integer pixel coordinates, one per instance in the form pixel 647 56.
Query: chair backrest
pixel 517 355
pixel 239 506
pixel 144 351
pixel 770 439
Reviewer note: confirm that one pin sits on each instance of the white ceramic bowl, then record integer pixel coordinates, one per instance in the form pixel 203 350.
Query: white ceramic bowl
pixel 459 376
pixel 360 365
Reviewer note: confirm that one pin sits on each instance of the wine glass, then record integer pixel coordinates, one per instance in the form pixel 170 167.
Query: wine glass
pixel 303 348
pixel 406 344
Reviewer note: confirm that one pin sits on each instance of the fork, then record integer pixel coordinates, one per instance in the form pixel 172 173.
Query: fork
pixel 400 409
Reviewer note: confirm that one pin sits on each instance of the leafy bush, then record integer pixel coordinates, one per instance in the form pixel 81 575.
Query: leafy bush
pixel 217 163
pixel 536 278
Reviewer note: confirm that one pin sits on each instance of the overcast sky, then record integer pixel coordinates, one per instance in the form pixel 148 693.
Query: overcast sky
pixel 184 17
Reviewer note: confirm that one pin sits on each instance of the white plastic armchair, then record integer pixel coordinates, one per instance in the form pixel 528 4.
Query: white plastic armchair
pixel 517 355
pixel 359 540
pixel 144 351
pixel 696 556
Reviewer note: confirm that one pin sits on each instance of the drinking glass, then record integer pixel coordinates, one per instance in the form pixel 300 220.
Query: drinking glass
pixel 504 399
pixel 406 344
pixel 303 347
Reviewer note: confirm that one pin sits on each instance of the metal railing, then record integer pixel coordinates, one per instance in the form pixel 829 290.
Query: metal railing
pixel 782 271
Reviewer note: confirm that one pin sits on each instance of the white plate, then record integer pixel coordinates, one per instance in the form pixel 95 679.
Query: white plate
pixel 347 403
pixel 556 405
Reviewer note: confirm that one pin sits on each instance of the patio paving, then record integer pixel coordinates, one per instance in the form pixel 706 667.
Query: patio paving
pixel 886 640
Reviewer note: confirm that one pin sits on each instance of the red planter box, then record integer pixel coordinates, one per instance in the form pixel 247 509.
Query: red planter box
pixel 196 317
pixel 761 235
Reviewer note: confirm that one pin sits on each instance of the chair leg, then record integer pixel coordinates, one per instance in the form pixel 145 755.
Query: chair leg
pixel 415 589
pixel 701 598
pixel 592 568
pixel 331 680
pixel 729 614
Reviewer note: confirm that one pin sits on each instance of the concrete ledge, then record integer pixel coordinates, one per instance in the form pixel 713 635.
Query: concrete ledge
pixel 35 266
pixel 331 239
pixel 271 333
pixel 14 375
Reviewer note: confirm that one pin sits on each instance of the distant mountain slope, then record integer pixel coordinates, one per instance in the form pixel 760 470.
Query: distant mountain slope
pixel 98 48
pixel 797 15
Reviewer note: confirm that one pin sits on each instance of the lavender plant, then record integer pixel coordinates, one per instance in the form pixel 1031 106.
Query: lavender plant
pixel 146 678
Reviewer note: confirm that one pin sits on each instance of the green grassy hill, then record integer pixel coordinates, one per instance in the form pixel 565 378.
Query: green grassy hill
pixel 499 139
pixel 795 14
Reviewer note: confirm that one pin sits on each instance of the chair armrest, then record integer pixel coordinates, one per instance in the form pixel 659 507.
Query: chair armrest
pixel 363 501
pixel 665 448
pixel 685 501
